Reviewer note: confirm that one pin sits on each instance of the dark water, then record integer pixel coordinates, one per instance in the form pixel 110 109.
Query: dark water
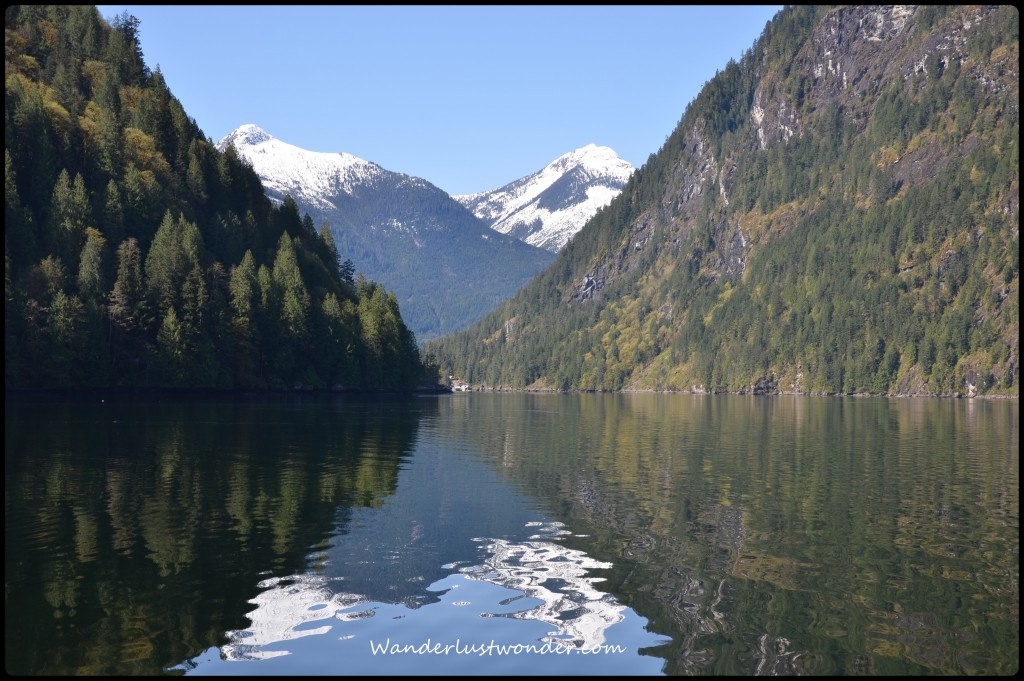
pixel 512 534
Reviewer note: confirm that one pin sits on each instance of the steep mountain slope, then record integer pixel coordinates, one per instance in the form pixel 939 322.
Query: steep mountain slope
pixel 445 265
pixel 547 208
pixel 836 213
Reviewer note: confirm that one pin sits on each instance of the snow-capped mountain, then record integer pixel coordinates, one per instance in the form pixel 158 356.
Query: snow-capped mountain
pixel 547 208
pixel 311 177
pixel 445 265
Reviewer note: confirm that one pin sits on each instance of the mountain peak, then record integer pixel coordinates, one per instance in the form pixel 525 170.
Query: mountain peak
pixel 287 169
pixel 547 208
pixel 249 134
pixel 443 263
pixel 591 151
pixel 593 158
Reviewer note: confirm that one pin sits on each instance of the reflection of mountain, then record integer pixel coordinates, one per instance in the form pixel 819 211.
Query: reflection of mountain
pixel 284 606
pixel 673 543
pixel 397 554
pixel 557 578
pixel 688 580
pixel 137 530
pixel 389 554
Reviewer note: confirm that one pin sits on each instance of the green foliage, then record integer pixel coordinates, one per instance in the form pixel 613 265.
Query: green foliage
pixel 91 274
pixel 212 286
pixel 871 249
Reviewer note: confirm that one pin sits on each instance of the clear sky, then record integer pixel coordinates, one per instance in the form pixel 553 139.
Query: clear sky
pixel 467 98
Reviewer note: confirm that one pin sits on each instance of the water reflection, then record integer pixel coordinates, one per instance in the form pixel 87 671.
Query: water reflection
pixel 558 578
pixel 285 605
pixel 136 531
pixel 553 585
pixel 708 535
pixel 784 535
pixel 460 557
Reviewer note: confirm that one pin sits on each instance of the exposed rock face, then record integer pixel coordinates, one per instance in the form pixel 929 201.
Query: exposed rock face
pixel 851 54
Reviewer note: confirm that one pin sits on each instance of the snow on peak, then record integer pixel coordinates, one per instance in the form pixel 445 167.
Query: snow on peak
pixel 590 155
pixel 594 160
pixel 286 169
pixel 249 134
pixel 544 209
pixel 547 208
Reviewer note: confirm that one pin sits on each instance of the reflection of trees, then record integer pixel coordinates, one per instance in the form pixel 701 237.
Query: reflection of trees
pixel 787 534
pixel 137 533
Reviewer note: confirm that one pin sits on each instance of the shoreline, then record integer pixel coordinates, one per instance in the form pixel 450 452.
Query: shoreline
pixel 206 393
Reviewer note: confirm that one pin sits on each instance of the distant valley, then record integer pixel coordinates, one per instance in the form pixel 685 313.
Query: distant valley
pixel 449 260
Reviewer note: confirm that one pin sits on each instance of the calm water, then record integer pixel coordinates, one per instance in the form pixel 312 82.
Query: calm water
pixel 512 534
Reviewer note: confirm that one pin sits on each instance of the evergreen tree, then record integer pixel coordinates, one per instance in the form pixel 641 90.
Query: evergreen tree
pixel 69 217
pixel 295 306
pixel 63 331
pixel 91 284
pixel 174 354
pixel 129 316
pixel 347 271
pixel 112 224
pixel 244 289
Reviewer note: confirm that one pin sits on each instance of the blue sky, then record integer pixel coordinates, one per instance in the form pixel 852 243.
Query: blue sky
pixel 468 98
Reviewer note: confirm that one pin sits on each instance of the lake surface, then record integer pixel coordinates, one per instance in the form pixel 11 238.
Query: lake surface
pixel 512 534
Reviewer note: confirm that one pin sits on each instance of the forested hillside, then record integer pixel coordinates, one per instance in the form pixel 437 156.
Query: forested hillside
pixel 446 266
pixel 137 255
pixel 837 212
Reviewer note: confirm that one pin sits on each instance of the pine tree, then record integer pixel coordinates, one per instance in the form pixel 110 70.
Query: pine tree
pixel 129 316
pixel 112 223
pixel 173 351
pixel 295 305
pixel 124 52
pixel 69 217
pixel 329 250
pixel 347 271
pixel 244 291
pixel 31 141
pixel 63 333
pixel 91 284
pixel 93 341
